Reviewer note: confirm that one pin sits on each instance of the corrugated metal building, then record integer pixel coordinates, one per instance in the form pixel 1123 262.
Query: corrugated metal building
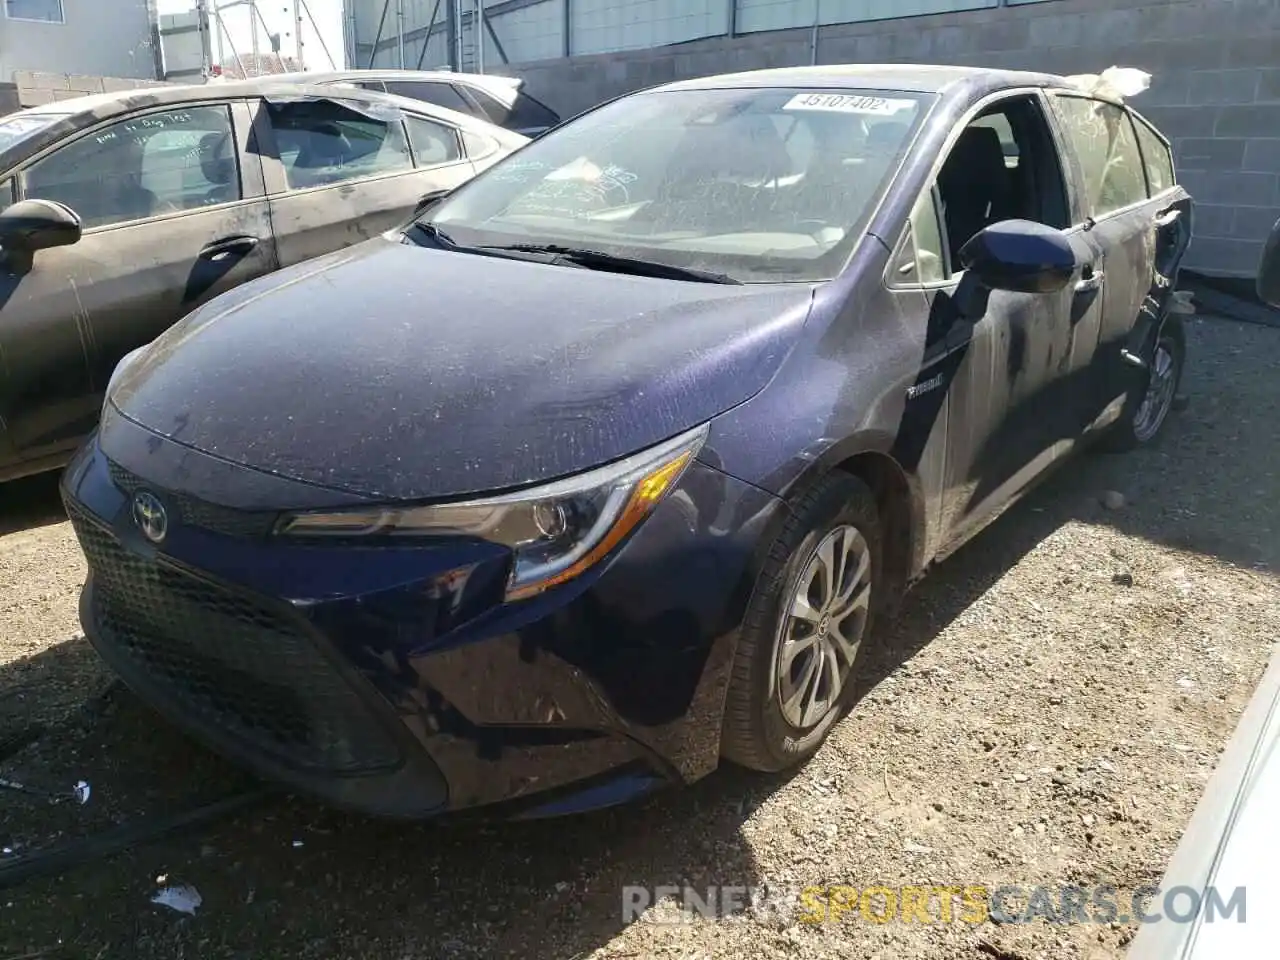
pixel 441 33
pixel 1216 65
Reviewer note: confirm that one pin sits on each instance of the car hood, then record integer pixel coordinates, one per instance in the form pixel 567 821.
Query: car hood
pixel 401 372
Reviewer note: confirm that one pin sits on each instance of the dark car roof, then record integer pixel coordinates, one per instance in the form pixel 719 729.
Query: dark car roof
pixel 81 112
pixel 908 77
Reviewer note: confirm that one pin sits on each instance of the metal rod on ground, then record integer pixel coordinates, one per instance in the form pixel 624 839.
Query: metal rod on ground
pixel 333 65
pixel 109 842
pixel 377 37
pixel 426 39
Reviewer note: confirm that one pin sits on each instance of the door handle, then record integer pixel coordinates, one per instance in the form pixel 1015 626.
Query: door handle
pixel 228 246
pixel 1168 218
pixel 1090 281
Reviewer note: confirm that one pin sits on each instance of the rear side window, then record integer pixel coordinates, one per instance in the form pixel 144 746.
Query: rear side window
pixel 441 94
pixel 1156 156
pixel 525 113
pixel 432 142
pixel 1111 163
pixel 321 143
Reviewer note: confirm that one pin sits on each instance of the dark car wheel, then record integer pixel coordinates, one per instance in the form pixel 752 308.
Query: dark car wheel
pixel 1147 407
pixel 811 607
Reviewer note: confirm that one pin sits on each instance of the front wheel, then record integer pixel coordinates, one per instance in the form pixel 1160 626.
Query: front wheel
pixel 1150 399
pixel 809 612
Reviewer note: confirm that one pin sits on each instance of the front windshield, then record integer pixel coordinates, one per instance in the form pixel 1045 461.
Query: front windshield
pixel 18 126
pixel 760 185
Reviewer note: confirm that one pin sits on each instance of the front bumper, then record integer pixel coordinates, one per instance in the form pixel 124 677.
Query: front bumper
pixel 393 679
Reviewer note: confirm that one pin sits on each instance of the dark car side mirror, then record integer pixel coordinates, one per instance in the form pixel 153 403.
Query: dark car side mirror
pixel 1269 269
pixel 31 225
pixel 1020 256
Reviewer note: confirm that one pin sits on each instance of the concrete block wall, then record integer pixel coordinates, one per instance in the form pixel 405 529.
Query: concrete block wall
pixel 1216 91
pixel 36 89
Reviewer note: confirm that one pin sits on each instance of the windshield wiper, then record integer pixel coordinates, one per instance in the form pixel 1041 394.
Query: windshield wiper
pixel 599 260
pixel 434 234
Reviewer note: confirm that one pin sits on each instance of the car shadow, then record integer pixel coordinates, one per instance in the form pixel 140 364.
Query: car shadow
pixel 30 502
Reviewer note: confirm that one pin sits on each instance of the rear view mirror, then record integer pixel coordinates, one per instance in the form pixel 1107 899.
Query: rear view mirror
pixel 1269 269
pixel 31 225
pixel 1020 256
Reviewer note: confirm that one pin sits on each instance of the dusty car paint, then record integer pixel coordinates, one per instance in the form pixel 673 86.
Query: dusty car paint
pixel 67 320
pixel 947 402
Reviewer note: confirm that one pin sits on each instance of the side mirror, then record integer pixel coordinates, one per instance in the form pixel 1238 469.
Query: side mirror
pixel 31 225
pixel 1020 256
pixel 1269 269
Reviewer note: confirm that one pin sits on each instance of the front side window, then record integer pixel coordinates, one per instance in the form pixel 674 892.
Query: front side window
pixel 759 184
pixel 50 11
pixel 143 167
pixel 1157 158
pixel 321 143
pixel 1103 137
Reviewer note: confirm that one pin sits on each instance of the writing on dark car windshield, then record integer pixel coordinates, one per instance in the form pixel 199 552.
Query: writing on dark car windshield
pixel 758 185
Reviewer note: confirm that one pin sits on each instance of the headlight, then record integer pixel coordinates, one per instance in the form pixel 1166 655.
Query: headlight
pixel 555 532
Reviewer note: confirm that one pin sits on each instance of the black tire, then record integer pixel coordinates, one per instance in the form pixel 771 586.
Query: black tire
pixel 755 734
pixel 1125 434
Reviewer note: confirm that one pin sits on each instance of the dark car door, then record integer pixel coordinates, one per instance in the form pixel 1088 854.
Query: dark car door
pixel 1141 220
pixel 339 176
pixel 174 213
pixel 1008 355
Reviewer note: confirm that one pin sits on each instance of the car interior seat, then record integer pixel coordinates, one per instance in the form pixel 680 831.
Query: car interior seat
pixel 976 186
pixel 219 167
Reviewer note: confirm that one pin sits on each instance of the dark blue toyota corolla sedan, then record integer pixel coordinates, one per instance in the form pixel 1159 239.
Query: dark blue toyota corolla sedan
pixel 601 470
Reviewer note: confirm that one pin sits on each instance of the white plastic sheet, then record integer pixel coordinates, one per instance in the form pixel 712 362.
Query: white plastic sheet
pixel 1114 83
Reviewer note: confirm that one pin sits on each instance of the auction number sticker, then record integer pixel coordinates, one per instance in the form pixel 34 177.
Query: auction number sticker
pixel 846 103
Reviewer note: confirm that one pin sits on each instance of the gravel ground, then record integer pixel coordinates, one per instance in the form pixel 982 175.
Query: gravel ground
pixel 1046 711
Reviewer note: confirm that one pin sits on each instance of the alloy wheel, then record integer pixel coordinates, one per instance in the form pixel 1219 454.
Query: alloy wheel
pixel 1158 400
pixel 822 627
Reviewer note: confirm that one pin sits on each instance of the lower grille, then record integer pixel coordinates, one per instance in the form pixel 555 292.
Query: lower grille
pixel 227 663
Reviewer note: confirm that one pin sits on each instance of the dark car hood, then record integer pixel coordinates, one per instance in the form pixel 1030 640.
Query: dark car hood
pixel 403 372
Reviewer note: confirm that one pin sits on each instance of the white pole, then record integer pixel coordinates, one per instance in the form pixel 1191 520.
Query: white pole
pixel 477 30
pixel 400 31
pixel 253 33
pixel 297 34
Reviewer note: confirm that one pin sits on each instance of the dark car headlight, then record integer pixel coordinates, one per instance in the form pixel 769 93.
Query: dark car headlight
pixel 555 531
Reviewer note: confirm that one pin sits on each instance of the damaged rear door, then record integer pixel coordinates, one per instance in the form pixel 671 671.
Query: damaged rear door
pixel 174 212
pixel 1141 220
pixel 343 171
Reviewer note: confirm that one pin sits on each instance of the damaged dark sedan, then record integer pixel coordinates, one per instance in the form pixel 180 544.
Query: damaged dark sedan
pixel 603 469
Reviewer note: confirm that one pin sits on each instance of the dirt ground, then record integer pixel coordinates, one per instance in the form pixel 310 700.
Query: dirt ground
pixel 1046 711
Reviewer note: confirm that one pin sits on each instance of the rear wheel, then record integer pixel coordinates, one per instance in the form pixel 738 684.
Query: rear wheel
pixel 1150 400
pixel 812 605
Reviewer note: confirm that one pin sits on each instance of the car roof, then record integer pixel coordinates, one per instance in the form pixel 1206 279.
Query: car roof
pixel 504 87
pixel 907 77
pixel 80 112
